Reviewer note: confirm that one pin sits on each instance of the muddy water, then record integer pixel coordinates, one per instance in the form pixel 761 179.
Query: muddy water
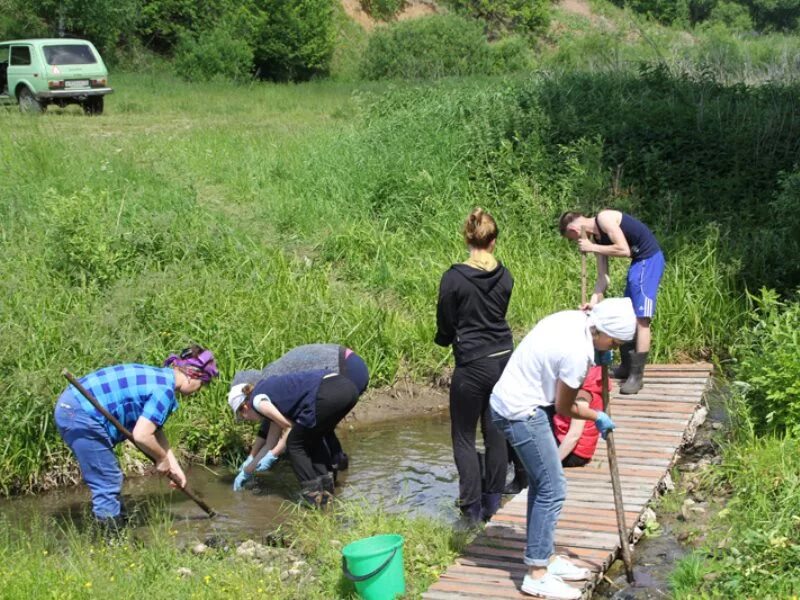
pixel 655 558
pixel 403 466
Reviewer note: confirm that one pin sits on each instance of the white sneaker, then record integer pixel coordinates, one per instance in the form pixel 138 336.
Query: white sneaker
pixel 568 571
pixel 550 586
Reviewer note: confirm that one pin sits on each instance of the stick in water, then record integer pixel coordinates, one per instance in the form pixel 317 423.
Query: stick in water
pixel 616 485
pixel 114 421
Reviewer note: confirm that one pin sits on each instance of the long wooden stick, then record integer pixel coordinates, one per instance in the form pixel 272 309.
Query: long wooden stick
pixel 583 269
pixel 114 421
pixel 616 486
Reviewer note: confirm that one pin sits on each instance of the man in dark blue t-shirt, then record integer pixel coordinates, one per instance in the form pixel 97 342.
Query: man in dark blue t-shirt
pixel 614 233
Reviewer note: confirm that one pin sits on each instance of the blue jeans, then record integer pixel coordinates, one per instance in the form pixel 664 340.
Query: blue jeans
pixel 535 444
pixel 89 441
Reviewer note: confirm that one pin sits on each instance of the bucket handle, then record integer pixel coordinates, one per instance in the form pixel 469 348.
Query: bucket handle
pixel 359 578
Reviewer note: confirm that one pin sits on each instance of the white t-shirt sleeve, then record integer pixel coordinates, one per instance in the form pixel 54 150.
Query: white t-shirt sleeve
pixel 572 370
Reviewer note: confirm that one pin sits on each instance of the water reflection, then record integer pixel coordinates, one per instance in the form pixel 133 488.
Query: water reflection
pixel 402 466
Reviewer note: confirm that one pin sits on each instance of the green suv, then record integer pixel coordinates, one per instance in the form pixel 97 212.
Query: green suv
pixel 37 73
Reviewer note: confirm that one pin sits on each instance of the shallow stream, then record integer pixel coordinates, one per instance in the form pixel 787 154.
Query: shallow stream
pixel 400 465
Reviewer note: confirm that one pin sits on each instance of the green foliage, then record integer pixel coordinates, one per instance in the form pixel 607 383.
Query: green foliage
pixel 294 38
pixel 524 17
pixel 383 9
pixel 439 46
pixel 430 47
pixel 732 15
pixel 213 54
pixel 751 548
pixel 775 15
pixel 768 362
pixel 104 23
pixel 164 22
pixel 664 11
pixel 765 15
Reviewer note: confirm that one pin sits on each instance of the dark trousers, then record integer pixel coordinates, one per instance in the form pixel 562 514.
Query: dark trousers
pixel 308 452
pixel 469 404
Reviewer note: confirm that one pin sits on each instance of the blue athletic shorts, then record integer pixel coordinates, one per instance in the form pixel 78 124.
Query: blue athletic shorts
pixel 642 287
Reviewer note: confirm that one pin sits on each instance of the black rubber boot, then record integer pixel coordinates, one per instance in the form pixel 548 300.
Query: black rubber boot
pixel 519 483
pixel 341 461
pixel 471 513
pixel 311 493
pixel 111 530
pixel 624 369
pixel 490 504
pixel 636 377
pixel 327 482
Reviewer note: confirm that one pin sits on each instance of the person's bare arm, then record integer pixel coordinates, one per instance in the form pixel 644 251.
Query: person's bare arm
pixel 575 431
pixel 567 407
pixel 148 436
pixel 279 430
pixel 607 221
pixel 258 443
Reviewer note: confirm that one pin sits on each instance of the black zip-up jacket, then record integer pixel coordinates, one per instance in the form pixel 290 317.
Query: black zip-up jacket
pixel 471 313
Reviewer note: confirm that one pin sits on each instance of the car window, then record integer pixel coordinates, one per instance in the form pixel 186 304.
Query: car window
pixel 69 54
pixel 20 55
pixel 3 55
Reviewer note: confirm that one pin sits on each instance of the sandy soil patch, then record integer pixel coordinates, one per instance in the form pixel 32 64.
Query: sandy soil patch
pixel 413 10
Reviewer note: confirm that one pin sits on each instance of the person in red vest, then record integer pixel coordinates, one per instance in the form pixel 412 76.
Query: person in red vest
pixel 577 438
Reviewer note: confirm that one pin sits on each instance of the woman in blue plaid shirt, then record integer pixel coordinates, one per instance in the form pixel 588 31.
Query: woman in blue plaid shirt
pixel 141 397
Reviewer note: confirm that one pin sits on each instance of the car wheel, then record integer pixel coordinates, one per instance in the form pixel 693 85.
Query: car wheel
pixel 28 103
pixel 93 105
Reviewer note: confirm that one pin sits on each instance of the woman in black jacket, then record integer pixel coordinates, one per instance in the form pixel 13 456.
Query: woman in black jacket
pixel 471 315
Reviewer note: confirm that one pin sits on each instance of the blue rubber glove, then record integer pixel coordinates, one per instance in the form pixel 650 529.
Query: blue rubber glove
pixel 266 463
pixel 603 357
pixel 604 423
pixel 240 480
pixel 247 461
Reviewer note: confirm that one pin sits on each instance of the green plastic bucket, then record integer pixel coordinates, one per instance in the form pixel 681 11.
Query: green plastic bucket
pixel 375 566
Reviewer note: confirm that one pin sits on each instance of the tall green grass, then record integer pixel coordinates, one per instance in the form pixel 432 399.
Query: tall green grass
pixel 257 218
pixel 751 547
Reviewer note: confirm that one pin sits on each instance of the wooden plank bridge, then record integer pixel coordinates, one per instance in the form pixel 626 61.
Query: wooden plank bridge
pixel 652 426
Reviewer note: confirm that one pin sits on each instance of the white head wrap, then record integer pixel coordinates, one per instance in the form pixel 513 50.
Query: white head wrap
pixel 236 397
pixel 615 317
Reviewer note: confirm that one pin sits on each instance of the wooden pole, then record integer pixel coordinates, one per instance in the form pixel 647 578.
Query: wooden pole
pixel 616 486
pixel 114 421
pixel 583 269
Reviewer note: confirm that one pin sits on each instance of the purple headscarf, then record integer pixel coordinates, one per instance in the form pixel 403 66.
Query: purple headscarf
pixel 198 362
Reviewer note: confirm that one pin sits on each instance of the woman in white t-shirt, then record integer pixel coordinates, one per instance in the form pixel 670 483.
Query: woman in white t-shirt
pixel 544 374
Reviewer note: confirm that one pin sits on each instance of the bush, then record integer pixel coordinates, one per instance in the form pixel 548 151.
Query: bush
pixel 768 362
pixel 427 48
pixel 526 17
pixel 106 24
pixel 383 9
pixel 732 15
pixel 510 54
pixel 295 38
pixel 214 55
pixel 775 15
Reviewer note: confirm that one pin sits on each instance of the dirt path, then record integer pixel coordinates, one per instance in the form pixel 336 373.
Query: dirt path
pixel 579 7
pixel 402 400
pixel 413 9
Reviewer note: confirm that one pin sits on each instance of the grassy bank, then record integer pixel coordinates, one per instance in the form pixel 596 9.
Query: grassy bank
pixel 750 549
pixel 76 564
pixel 256 218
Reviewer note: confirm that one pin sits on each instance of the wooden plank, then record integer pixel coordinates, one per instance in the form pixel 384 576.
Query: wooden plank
pixel 651 428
